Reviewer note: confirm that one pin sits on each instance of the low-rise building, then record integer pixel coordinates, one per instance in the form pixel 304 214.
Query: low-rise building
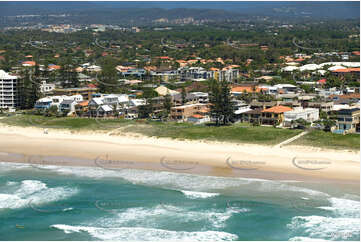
pixel 81 109
pixel 182 113
pixel 274 115
pixel 67 106
pixel 252 116
pixel 325 106
pixel 86 92
pixel 308 114
pixel 46 87
pixel 348 120
pixel 198 119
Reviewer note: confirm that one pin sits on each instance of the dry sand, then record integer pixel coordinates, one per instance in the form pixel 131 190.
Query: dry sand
pixel 111 151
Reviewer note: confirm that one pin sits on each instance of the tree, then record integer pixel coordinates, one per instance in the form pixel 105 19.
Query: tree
pixel 220 99
pixel 167 104
pixel 108 79
pixel 145 111
pixel 28 90
pixel 68 76
pixel 53 111
pixel 184 95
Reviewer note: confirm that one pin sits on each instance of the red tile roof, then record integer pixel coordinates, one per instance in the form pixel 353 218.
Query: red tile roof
pixel 31 63
pixel 277 109
pixel 246 89
pixel 197 116
pixel 347 70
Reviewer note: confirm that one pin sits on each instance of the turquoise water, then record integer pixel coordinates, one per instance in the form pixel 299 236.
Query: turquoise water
pixel 65 203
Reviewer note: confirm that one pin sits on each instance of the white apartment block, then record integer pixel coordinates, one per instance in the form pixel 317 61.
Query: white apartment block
pixel 8 90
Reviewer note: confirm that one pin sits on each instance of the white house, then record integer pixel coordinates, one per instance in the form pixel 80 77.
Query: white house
pixel 308 114
pixel 105 110
pixel 68 106
pixel 46 87
pixel 47 102
pixel 94 68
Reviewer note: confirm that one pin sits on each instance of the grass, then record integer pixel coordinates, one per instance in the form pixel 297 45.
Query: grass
pixel 239 133
pixel 242 133
pixel 329 140
pixel 64 122
pixel 234 133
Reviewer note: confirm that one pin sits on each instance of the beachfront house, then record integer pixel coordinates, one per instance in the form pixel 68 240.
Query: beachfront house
pixel 348 121
pixel 93 106
pixel 47 102
pixel 198 119
pixel 68 106
pixel 182 113
pixel 81 108
pixel 240 107
pixel 308 114
pixel 274 115
pixel 118 103
pixel 252 116
pixel 105 111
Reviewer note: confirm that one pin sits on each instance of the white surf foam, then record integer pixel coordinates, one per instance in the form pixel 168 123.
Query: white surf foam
pixel 146 234
pixel 344 207
pixel 319 227
pixel 195 195
pixel 34 192
pixel 342 225
pixel 299 238
pixel 162 215
pixel 188 182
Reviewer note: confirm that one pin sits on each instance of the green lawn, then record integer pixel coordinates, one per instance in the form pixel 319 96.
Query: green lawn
pixel 241 133
pixel 319 138
pixel 65 122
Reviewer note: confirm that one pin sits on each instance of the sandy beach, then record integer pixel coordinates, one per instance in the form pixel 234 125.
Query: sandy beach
pixel 116 150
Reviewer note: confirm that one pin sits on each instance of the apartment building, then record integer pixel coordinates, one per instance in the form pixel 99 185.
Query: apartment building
pixel 86 92
pixel 8 90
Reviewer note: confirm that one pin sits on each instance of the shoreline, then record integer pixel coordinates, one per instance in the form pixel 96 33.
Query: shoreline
pixel 114 152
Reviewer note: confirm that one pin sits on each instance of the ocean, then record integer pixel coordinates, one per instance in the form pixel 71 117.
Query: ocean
pixel 76 203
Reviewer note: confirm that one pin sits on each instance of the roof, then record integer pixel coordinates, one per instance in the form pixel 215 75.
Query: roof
pixel 162 90
pixel 197 116
pixel 5 76
pixel 83 104
pixel 347 96
pixel 106 108
pixel 347 70
pixel 277 109
pixel 348 111
pixel 54 67
pixel 254 111
pixel 30 63
pixel 322 81
pixel 67 101
pixel 246 89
